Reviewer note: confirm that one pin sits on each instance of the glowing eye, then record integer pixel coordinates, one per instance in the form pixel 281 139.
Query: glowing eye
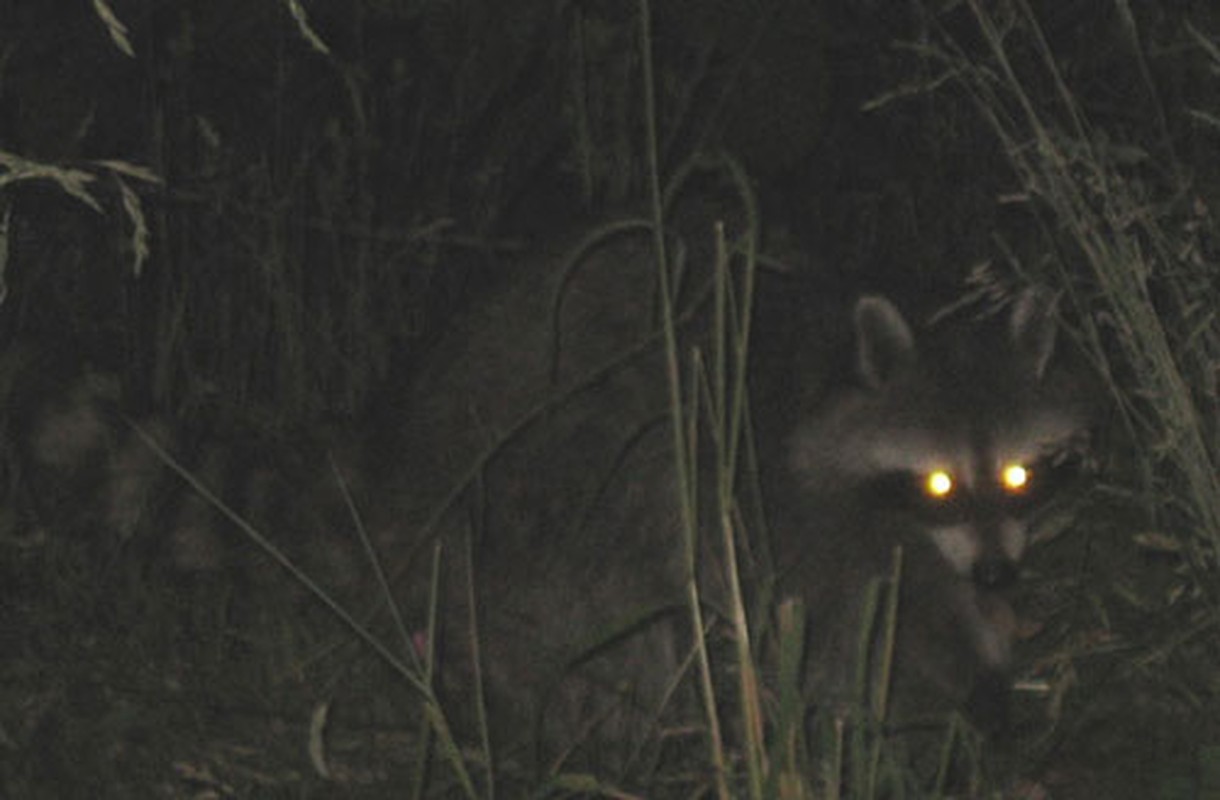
pixel 1015 478
pixel 939 484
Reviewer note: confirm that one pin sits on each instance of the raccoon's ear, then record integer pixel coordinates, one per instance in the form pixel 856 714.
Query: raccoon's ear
pixel 1032 328
pixel 885 346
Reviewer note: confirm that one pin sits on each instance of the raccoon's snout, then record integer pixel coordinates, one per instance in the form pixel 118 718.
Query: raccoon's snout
pixel 994 573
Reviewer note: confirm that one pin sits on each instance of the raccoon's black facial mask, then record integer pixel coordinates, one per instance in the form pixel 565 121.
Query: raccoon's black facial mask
pixel 941 497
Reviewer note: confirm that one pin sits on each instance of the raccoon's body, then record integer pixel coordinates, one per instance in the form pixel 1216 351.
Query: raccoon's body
pixel 535 448
pixel 580 565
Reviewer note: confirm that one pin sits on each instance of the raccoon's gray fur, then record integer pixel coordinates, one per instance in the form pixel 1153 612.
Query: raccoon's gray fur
pixel 536 439
pixel 579 561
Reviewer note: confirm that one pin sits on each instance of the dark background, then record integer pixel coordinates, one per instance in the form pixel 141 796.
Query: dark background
pixel 327 212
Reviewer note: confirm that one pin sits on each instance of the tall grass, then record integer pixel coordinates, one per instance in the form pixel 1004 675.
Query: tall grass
pixel 776 761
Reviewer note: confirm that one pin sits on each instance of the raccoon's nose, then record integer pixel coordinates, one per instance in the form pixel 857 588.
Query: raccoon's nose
pixel 994 573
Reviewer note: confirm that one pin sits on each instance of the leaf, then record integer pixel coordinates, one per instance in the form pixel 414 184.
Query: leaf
pixel 116 29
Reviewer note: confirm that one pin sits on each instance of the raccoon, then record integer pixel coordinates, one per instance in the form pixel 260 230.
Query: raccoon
pixel 81 464
pixel 69 464
pixel 950 442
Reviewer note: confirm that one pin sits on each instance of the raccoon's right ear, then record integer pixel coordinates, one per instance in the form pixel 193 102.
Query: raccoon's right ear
pixel 1032 328
pixel 885 346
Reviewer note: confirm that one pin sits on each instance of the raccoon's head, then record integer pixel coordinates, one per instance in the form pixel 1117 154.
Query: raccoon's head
pixel 963 434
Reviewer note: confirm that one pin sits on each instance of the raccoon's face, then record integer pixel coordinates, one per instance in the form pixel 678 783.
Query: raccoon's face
pixel 964 436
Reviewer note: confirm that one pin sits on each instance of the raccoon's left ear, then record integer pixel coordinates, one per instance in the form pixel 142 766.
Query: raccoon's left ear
pixel 1032 327
pixel 885 346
